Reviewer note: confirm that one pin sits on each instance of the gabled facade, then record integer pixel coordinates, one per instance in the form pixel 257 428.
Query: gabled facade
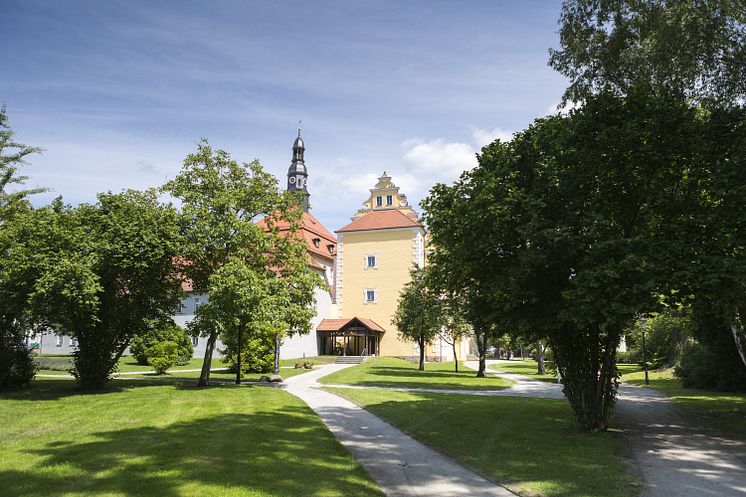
pixel 375 253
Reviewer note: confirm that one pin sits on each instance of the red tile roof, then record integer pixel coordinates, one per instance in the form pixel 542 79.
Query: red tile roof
pixel 338 324
pixel 380 220
pixel 314 233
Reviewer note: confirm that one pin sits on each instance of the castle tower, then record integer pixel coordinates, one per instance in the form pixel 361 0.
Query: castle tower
pixel 297 172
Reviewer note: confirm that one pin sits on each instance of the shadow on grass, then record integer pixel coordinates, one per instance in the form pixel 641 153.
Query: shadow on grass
pixel 44 389
pixel 396 376
pixel 279 452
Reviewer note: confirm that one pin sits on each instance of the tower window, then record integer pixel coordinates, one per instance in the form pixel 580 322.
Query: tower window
pixel 371 296
pixel 370 261
pixel 379 201
pixel 389 199
pixel 195 341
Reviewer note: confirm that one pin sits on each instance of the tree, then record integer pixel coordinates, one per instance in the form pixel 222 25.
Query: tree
pixel 100 273
pixel 571 222
pixel 17 368
pixel 694 48
pixel 221 202
pixel 454 327
pixel 418 315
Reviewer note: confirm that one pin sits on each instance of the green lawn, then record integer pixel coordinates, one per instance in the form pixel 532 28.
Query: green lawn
pixel 129 365
pixel 721 410
pixel 142 439
pixel 526 367
pixel 391 372
pixel 531 445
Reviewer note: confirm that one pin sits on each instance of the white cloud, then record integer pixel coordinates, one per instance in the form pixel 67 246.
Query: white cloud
pixel 438 158
pixel 555 108
pixel 484 137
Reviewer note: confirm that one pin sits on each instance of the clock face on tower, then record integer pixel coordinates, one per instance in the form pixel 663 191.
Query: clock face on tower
pixel 292 180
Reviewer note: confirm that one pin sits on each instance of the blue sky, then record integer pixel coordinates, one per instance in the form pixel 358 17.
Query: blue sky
pixel 119 92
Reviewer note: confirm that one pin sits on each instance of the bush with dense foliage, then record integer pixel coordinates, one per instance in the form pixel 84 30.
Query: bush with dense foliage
pixel 666 333
pixel 162 356
pixel 257 355
pixel 162 331
pixel 17 367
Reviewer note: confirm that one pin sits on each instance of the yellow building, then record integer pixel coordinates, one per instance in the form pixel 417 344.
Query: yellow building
pixel 375 253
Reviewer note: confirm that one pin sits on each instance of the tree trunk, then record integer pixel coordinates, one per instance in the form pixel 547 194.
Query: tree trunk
pixel 586 363
pixel 540 359
pixel 422 354
pixel 204 376
pixel 482 350
pixel 238 358
pixel 455 356
pixel 739 335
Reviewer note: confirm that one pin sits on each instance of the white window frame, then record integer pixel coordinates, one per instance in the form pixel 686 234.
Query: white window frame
pixel 379 201
pixel 365 295
pixel 389 200
pixel 195 341
pixel 73 342
pixel 366 261
pixel 60 341
pixel 197 304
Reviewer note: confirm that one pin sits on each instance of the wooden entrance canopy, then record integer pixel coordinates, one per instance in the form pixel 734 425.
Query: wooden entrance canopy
pixel 360 336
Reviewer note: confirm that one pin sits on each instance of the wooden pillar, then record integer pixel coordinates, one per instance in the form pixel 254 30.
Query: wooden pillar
pixel 344 347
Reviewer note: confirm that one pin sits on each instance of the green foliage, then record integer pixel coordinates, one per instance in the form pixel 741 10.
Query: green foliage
pixel 229 256
pixel 99 273
pixel 689 47
pixel 570 230
pixel 161 331
pixel 712 362
pixel 419 312
pixel 666 333
pixel 630 356
pixel 257 355
pixel 17 367
pixel 162 356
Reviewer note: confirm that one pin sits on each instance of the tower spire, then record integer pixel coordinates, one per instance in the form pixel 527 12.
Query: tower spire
pixel 297 173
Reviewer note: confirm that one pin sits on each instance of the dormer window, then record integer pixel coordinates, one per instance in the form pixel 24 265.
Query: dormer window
pixel 389 200
pixel 379 201
pixel 316 242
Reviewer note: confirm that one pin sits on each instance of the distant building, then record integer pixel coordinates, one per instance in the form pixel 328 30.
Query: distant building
pixel 375 253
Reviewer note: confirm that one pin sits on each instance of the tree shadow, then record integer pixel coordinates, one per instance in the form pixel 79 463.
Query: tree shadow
pixel 279 452
pixel 404 377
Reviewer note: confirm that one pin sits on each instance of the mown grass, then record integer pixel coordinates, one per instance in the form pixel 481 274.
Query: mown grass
pixel 721 410
pixel 392 372
pixel 525 367
pixel 142 439
pixel 128 364
pixel 533 446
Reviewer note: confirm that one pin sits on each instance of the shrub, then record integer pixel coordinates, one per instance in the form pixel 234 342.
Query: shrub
pixel 162 356
pixel 17 367
pixel 701 366
pixel 257 355
pixel 630 356
pixel 161 331
pixel 54 363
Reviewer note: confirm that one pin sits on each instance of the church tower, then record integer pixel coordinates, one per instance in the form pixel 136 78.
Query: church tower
pixel 297 173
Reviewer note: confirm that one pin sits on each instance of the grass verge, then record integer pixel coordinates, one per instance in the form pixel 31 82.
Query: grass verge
pixel 392 372
pixel 525 367
pixel 138 439
pixel 533 446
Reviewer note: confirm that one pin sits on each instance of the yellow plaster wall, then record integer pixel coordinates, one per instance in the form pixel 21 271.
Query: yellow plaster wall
pixel 394 254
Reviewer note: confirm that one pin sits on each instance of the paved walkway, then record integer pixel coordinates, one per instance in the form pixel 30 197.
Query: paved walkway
pixel 401 465
pixel 675 457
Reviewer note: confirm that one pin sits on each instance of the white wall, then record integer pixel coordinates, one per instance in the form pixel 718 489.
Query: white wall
pixel 308 345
